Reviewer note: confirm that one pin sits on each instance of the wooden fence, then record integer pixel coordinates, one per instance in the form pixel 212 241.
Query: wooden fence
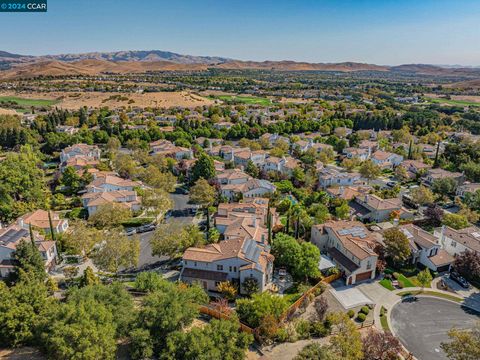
pixel 293 308
pixel 219 315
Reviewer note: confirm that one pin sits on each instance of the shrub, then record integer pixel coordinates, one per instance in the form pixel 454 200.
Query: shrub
pixel 302 327
pixel 318 329
pixel 396 275
pixel 365 310
pixel 141 346
pixel 361 317
pixel 351 314
pixel 282 335
pixel 319 290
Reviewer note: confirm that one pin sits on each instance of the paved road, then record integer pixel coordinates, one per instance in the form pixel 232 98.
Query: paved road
pixel 423 325
pixel 180 205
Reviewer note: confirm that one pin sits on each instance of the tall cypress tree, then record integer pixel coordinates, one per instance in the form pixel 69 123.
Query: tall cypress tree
pixel 50 223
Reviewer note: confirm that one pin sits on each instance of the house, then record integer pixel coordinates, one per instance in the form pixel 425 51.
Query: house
pixel 38 219
pixel 232 176
pixel 342 131
pixel 284 165
pixel 241 158
pixel 415 167
pixel 426 249
pixel 348 192
pixel 108 182
pixel 168 149
pixel 80 162
pixel 91 151
pixel 437 174
pixel 330 176
pixel 350 245
pixel 274 138
pixel 370 145
pixel 467 188
pixel 228 152
pixel 70 130
pixel 357 153
pixel 456 242
pixel 125 198
pixel 386 160
pixel 250 207
pixel 10 238
pixel 223 125
pixel 251 188
pixel 372 208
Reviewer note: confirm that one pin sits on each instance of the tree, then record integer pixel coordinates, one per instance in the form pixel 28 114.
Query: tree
pixel 203 168
pixel 154 177
pixel 316 351
pixel 82 330
pixel 28 259
pixel 220 339
pixel 22 309
pixel 203 194
pixel 148 281
pixel 347 342
pixel 397 246
pixel 114 298
pixel 464 344
pixel 173 238
pixel 422 195
pixel 434 213
pixel 343 211
pixel 250 286
pixel 117 251
pixel 455 221
pixel 444 186
pixel 369 170
pixel 156 200
pixel 300 259
pixel 81 238
pixel 89 278
pixel 110 216
pixel 381 346
pixel 253 310
pixel 350 164
pixel 467 264
pixel 71 180
pixel 321 307
pixel 424 277
pixel 401 173
pixel 227 289
pixel 251 169
pixel 170 309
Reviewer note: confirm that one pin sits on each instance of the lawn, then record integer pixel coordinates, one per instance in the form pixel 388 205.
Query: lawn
pixel 453 102
pixel 384 320
pixel 407 277
pixel 387 284
pixel 28 102
pixel 431 293
pixel 252 100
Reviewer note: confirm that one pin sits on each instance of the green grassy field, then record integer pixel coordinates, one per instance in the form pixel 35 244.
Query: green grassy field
pixel 28 102
pixel 453 102
pixel 252 100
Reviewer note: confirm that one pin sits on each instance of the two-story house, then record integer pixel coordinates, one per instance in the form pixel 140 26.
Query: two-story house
pixel 330 176
pixel 435 174
pixel 456 242
pixel 38 219
pixel 350 245
pixel 386 160
pixel 91 151
pixel 372 208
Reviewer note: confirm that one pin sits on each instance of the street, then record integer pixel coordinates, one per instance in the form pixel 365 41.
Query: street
pixel 179 213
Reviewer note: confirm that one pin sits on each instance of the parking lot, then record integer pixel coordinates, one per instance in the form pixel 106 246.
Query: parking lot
pixel 422 325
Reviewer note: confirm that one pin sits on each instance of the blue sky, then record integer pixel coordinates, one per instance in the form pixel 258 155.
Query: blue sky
pixel 381 32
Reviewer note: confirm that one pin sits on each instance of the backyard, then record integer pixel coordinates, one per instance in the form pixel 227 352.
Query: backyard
pixel 406 276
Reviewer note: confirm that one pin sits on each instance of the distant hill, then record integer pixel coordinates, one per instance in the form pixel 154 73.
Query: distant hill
pixel 134 61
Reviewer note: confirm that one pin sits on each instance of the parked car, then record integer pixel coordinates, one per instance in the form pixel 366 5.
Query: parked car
pixel 130 231
pixel 391 184
pixel 459 279
pixel 146 228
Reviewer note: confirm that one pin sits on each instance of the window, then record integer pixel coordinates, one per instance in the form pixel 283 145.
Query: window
pixel 195 264
pixel 217 283
pixel 230 268
pixel 219 267
pixel 369 265
pixel 235 269
pixel 186 262
pixel 453 243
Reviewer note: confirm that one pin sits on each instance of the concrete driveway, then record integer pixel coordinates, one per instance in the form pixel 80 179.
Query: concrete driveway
pixel 350 296
pixel 472 295
pixel 423 325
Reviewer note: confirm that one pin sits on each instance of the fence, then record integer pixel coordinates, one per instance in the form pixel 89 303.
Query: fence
pixel 293 308
pixel 219 315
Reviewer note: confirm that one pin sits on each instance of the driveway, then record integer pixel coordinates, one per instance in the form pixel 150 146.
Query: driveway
pixel 423 325
pixel 472 295
pixel 350 296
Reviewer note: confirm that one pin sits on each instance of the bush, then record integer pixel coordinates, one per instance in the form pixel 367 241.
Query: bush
pixel 319 290
pixel 361 317
pixel 282 335
pixel 318 329
pixel 396 275
pixel 302 327
pixel 141 346
pixel 351 314
pixel 365 310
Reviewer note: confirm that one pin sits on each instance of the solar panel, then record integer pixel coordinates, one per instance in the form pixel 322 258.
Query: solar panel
pixel 12 236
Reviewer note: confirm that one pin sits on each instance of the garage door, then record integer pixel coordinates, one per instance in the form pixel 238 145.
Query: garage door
pixel 363 276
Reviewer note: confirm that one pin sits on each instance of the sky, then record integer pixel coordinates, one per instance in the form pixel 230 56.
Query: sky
pixel 386 32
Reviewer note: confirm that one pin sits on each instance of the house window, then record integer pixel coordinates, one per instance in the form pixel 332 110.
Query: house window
pixel 195 264
pixel 235 269
pixel 217 283
pixel 230 268
pixel 369 265
pixel 219 267
pixel 453 243
pixel 186 262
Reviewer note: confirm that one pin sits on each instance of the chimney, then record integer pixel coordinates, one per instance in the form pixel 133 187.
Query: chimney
pixel 254 223
pixel 341 190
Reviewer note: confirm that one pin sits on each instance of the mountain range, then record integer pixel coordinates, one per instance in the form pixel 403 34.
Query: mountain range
pixel 136 61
